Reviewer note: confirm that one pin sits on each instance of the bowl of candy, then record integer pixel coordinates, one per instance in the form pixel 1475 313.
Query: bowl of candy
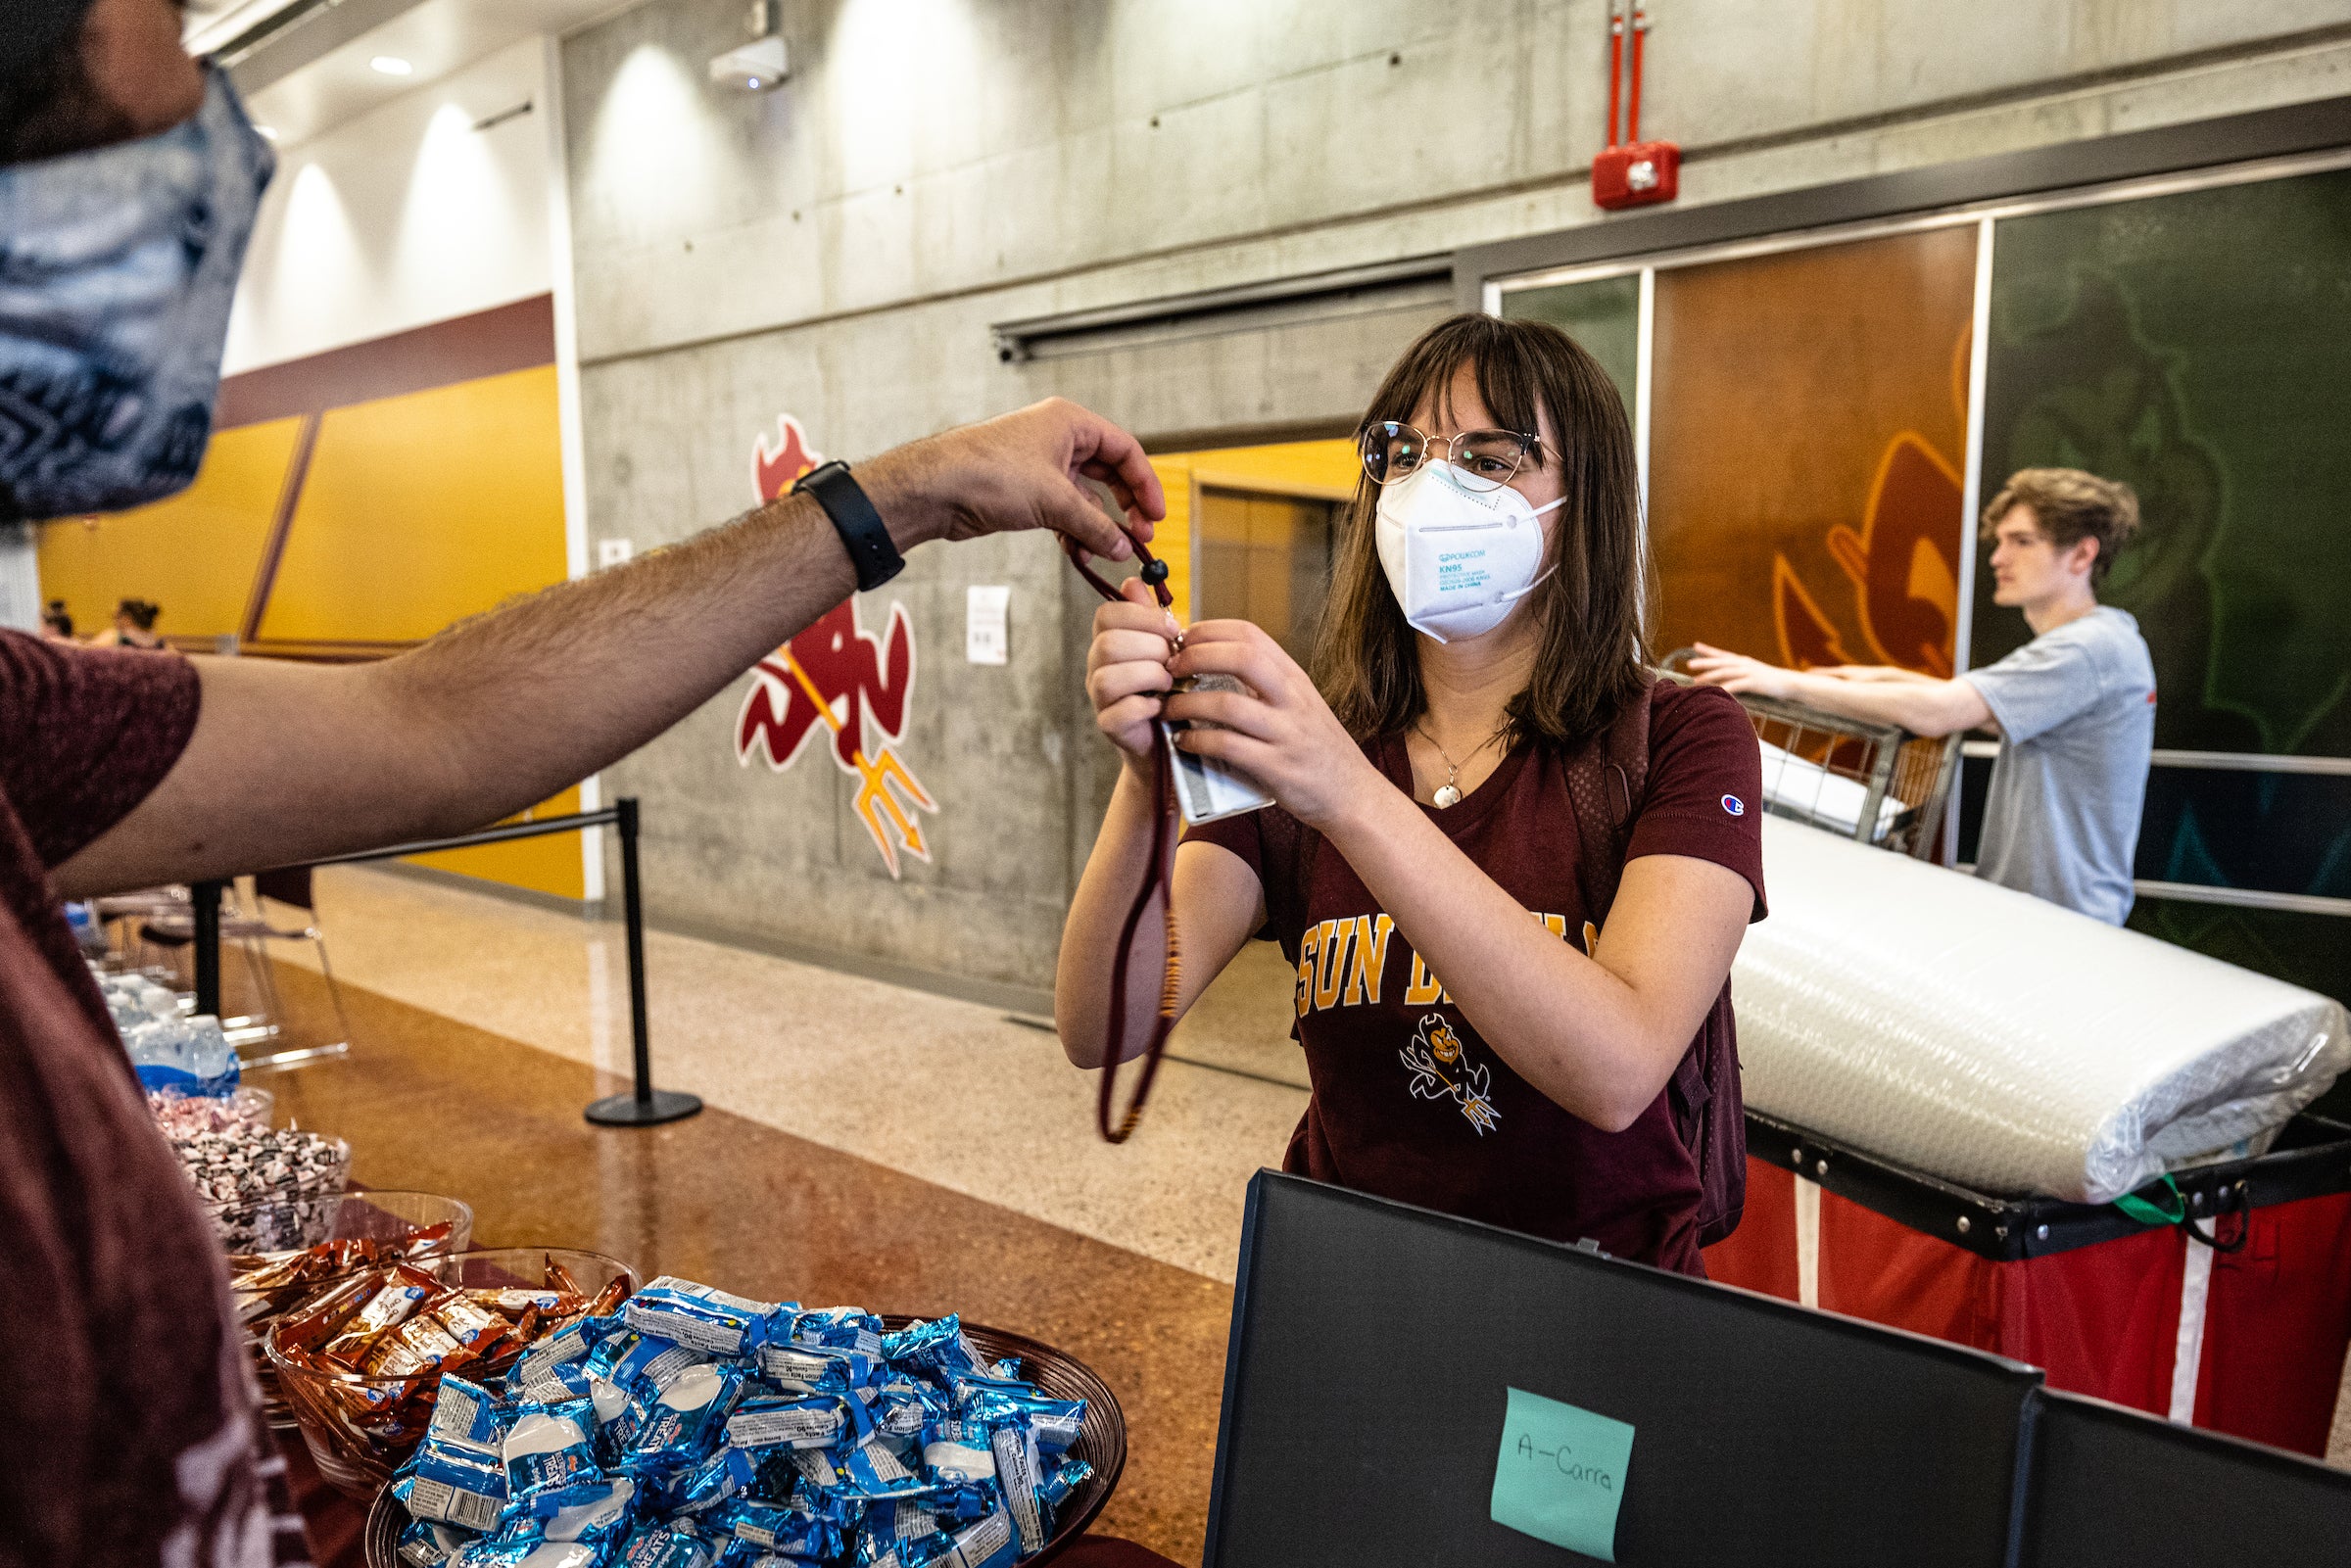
pixel 362 1363
pixel 367 1231
pixel 695 1426
pixel 267 1190
pixel 183 1116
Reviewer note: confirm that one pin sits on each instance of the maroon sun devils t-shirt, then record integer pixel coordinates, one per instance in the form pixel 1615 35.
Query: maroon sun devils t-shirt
pixel 1408 1101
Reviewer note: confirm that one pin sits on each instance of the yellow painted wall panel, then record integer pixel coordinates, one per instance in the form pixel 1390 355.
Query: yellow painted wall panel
pixel 1171 541
pixel 548 865
pixel 425 508
pixel 195 554
pixel 1321 467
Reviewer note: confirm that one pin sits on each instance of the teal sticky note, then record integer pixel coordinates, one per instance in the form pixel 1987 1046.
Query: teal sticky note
pixel 1561 1474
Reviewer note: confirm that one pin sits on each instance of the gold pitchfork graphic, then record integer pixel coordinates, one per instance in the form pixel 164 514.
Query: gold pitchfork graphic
pixel 873 795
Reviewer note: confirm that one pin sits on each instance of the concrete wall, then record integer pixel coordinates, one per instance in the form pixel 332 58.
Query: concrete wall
pixel 402 218
pixel 837 250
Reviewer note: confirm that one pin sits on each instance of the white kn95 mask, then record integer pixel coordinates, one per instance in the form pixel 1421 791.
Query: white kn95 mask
pixel 1457 558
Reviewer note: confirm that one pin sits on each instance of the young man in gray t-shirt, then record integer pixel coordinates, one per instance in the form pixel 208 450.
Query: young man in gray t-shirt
pixel 2074 707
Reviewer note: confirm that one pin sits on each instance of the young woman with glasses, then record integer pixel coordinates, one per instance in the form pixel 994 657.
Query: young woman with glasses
pixel 1475 1044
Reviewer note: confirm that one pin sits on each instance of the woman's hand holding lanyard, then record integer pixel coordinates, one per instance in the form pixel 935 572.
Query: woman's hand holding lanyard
pixel 1127 670
pixel 1216 899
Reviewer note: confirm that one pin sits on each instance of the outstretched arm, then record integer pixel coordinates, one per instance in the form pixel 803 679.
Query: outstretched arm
pixel 290 762
pixel 1919 703
pixel 1864 673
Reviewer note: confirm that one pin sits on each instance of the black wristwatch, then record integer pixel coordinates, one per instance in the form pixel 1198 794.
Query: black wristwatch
pixel 875 558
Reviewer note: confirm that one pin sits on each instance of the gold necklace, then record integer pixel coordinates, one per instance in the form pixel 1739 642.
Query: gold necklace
pixel 1449 794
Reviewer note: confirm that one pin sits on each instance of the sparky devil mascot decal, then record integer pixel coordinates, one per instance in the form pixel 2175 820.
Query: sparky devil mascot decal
pixel 841 678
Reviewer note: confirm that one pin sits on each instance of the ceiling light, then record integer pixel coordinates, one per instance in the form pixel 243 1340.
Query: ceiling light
pixel 393 65
pixel 268 133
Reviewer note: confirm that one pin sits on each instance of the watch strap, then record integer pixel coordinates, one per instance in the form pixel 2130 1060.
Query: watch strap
pixel 862 534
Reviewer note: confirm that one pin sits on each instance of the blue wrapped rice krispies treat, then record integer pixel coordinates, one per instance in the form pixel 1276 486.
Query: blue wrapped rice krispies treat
pixel 702 1429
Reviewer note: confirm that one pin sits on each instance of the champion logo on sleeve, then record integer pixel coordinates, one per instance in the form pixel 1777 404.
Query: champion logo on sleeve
pixel 1734 805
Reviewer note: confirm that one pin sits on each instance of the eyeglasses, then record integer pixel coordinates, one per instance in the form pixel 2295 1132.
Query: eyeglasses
pixel 1484 459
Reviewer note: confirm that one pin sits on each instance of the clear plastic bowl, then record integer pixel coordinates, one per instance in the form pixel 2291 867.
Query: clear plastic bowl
pixel 389 1214
pixel 374 1215
pixel 287 1218
pixel 360 1428
pixel 242 1107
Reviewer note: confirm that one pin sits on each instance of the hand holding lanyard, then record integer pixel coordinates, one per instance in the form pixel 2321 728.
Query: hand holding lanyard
pixel 1157 883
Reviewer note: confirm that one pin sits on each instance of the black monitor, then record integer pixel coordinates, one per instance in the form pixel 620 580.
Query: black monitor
pixel 1374 1346
pixel 2112 1486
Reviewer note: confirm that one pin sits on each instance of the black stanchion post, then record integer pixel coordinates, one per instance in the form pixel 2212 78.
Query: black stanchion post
pixel 647 1106
pixel 206 899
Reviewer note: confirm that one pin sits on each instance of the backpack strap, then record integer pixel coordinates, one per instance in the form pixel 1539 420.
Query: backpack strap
pixel 1607 777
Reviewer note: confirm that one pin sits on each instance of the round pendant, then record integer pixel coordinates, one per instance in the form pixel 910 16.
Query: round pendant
pixel 1446 795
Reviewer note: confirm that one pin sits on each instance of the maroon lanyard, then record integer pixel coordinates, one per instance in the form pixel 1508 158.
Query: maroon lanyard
pixel 1157 878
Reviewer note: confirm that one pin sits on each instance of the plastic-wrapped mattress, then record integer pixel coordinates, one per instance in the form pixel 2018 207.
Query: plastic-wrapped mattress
pixel 1999 1041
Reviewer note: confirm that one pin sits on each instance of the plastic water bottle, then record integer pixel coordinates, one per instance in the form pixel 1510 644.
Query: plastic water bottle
pixel 211 1058
pixel 134 999
pixel 188 1056
pixel 88 935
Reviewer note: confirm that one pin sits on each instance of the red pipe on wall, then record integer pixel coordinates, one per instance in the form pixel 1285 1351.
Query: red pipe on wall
pixel 1615 67
pixel 1632 125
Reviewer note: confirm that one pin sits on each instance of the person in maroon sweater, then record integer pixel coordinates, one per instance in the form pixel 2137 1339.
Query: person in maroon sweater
pixel 1475 1044
pixel 128 182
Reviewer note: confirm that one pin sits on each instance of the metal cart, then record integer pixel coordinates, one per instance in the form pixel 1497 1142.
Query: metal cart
pixel 1875 783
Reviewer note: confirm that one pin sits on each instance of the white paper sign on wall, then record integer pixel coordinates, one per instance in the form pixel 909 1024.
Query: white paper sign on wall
pixel 986 631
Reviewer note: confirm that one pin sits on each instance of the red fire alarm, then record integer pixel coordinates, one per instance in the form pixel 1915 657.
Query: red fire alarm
pixel 1632 172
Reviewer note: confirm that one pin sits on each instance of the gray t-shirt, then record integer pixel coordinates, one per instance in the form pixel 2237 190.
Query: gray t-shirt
pixel 2077 712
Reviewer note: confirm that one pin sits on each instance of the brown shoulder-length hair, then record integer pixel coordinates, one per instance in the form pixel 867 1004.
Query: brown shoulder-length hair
pixel 1592 652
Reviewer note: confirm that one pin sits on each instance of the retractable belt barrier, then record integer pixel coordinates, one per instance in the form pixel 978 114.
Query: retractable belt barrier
pixel 644 1106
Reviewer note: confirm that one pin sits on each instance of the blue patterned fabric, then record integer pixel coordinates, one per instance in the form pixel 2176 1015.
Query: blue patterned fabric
pixel 117 270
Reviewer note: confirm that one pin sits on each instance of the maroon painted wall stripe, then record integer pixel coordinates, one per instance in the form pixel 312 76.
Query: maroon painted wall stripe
pixel 488 343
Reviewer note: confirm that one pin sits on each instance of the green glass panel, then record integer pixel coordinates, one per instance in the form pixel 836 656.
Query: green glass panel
pixel 1602 315
pixel 2197 346
pixel 2307 949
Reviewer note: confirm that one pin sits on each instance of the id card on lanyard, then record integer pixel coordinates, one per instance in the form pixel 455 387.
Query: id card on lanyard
pixel 1208 788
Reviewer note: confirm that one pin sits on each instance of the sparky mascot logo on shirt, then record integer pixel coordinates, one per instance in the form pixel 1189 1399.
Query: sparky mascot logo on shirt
pixel 841 677
pixel 1441 1069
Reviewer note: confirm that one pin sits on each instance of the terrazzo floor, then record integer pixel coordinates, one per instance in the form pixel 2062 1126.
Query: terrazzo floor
pixel 950 1092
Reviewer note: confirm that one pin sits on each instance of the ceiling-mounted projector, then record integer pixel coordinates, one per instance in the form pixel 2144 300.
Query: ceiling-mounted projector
pixel 757 66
